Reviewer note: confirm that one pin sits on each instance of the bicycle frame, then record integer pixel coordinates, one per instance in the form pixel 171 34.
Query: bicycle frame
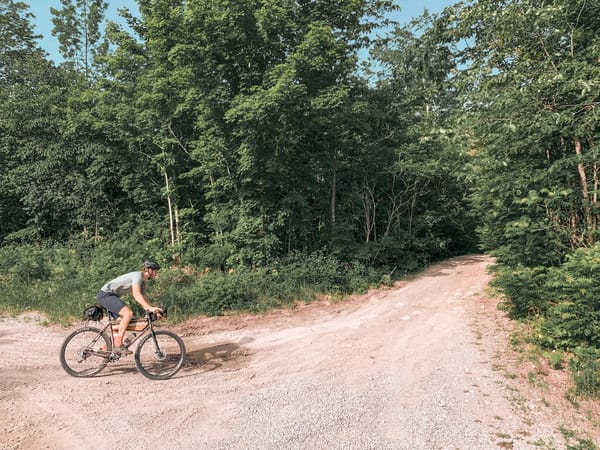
pixel 158 355
pixel 133 335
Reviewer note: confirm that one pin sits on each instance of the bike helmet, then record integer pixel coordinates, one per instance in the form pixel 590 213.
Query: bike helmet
pixel 151 265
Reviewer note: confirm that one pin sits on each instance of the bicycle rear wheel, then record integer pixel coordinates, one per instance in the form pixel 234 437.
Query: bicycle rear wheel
pixel 85 352
pixel 160 355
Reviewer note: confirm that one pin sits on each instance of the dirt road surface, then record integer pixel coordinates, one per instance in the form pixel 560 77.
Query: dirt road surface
pixel 427 364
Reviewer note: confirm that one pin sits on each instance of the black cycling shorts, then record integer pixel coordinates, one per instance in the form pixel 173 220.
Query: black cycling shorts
pixel 112 302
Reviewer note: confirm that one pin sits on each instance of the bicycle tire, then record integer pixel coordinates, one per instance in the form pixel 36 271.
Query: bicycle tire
pixel 163 362
pixel 79 352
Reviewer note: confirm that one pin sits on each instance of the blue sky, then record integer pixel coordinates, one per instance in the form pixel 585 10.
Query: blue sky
pixel 43 18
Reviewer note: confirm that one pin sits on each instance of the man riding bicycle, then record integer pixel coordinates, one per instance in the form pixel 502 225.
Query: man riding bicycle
pixel 130 283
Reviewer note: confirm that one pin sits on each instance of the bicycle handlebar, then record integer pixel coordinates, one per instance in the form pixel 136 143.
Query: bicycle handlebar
pixel 155 316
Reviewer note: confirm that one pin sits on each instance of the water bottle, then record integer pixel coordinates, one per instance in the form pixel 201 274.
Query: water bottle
pixel 128 340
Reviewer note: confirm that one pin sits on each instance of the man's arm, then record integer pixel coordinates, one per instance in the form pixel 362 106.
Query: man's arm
pixel 136 291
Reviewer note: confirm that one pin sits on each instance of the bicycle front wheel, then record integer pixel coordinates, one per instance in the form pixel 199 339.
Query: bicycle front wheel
pixel 85 352
pixel 160 355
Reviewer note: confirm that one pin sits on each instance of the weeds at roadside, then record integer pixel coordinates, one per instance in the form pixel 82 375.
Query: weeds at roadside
pixel 541 443
pixel 505 444
pixel 516 342
pixel 580 443
pixel 520 403
pixel 535 380
pixel 571 396
pixel 556 359
pixel 502 435
pixel 546 371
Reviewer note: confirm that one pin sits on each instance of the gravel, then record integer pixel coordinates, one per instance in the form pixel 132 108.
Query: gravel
pixel 424 365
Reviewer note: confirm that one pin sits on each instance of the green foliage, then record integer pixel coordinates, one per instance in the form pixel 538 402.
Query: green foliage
pixel 24 264
pixel 525 290
pixel 556 359
pixel 532 138
pixel 318 269
pixel 61 280
pixel 229 135
pixel 574 317
pixel 218 292
pixel 297 278
pixel 585 369
pixel 54 281
pixel 562 299
pixel 77 28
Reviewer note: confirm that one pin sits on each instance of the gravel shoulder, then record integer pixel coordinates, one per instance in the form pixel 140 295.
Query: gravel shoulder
pixel 426 365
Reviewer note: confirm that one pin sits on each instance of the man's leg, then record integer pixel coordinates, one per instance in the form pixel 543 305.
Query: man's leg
pixel 126 314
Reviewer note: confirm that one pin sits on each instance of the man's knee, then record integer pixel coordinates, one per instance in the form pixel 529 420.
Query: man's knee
pixel 126 313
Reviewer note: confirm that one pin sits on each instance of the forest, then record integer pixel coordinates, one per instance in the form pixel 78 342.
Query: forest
pixel 265 151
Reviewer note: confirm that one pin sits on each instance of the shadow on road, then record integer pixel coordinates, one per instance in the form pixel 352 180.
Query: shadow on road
pixel 210 358
pixel 444 269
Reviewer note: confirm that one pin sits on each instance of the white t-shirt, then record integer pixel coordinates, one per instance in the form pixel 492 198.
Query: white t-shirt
pixel 122 285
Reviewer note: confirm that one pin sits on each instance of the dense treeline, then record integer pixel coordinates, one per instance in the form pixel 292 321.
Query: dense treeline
pixel 224 137
pixel 530 91
pixel 232 134
pixel 250 138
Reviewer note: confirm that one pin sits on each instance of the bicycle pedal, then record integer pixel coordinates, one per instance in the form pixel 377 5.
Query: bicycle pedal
pixel 122 351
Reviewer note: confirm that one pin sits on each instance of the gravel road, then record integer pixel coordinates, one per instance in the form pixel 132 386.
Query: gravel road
pixel 424 365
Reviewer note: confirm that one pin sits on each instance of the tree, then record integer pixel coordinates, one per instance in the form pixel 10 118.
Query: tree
pixel 77 27
pixel 244 129
pixel 29 87
pixel 414 197
pixel 60 158
pixel 231 97
pixel 159 123
pixel 530 94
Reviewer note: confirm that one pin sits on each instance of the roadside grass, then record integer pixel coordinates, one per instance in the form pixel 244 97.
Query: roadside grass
pixel 537 365
pixel 575 442
pixel 60 284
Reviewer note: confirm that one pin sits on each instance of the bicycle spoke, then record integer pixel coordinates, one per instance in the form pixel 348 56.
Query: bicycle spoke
pixel 84 352
pixel 160 356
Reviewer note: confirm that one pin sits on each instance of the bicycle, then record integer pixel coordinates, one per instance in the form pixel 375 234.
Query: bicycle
pixel 159 354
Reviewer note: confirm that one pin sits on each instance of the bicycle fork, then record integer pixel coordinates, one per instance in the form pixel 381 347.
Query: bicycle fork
pixel 159 354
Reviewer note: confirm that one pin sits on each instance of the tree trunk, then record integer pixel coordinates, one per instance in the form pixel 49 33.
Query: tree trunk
pixel 333 188
pixel 585 194
pixel 171 218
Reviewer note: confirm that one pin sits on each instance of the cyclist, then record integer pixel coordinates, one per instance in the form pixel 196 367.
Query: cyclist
pixel 130 283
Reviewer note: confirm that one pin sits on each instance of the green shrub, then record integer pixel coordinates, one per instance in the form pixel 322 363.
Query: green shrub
pixel 360 278
pixel 573 319
pixel 24 263
pixel 525 289
pixel 217 292
pixel 556 359
pixel 318 270
pixel 585 370
pixel 568 324
pixel 61 280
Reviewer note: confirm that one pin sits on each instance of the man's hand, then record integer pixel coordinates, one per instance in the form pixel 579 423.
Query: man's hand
pixel 156 310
